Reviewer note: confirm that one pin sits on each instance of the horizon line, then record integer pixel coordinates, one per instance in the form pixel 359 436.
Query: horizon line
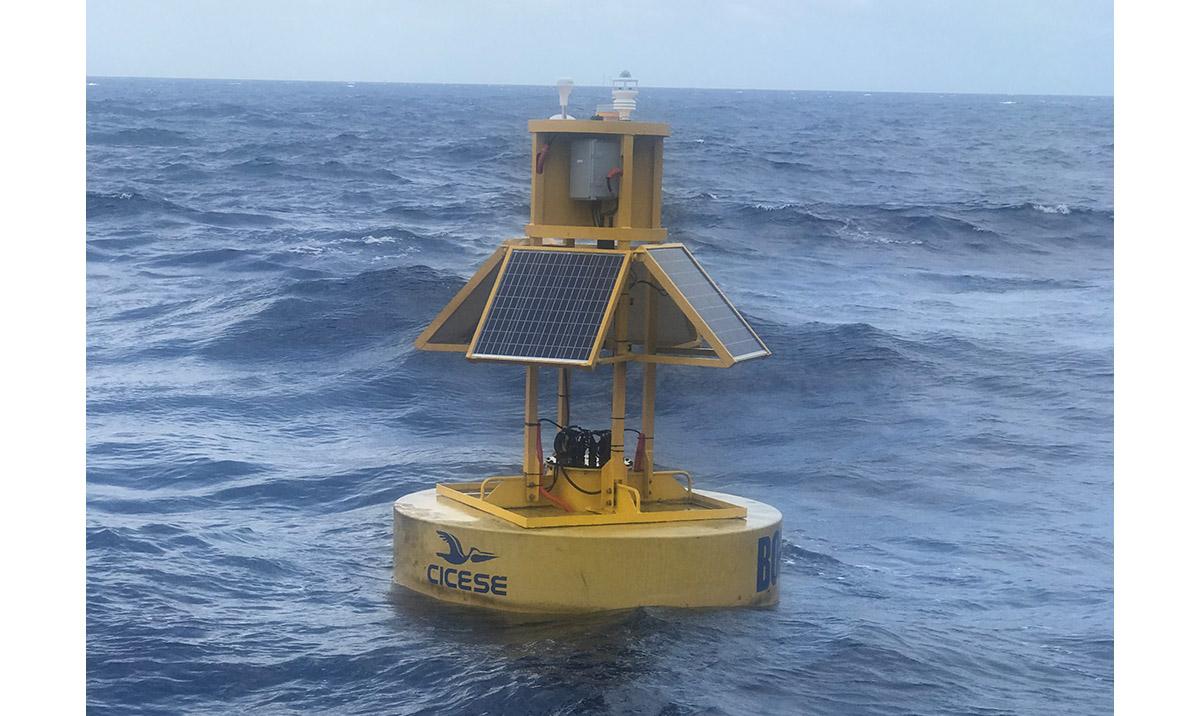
pixel 522 84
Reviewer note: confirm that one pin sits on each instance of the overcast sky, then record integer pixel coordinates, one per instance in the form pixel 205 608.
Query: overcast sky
pixel 999 46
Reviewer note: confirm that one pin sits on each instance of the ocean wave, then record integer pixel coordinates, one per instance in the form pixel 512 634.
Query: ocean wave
pixel 108 205
pixel 314 319
pixel 935 288
pixel 142 136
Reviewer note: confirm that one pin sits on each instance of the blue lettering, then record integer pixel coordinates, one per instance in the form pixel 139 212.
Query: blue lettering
pixel 776 553
pixel 466 580
pixel 763 579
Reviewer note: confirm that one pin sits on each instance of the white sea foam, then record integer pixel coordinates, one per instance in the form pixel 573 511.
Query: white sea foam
pixel 1056 209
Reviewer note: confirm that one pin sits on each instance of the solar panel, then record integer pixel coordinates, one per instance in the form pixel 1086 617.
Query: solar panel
pixel 549 306
pixel 714 309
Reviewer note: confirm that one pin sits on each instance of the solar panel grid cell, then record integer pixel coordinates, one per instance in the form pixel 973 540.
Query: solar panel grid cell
pixel 549 306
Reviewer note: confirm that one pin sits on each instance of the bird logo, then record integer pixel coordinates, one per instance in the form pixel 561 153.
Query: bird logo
pixel 455 555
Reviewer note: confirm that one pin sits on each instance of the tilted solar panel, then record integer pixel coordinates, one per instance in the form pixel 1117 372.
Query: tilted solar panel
pixel 714 309
pixel 549 306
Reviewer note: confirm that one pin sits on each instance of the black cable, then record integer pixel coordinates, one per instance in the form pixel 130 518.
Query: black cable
pixel 577 487
pixel 637 279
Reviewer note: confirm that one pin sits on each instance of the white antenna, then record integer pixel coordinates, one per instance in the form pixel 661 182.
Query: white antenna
pixel 565 86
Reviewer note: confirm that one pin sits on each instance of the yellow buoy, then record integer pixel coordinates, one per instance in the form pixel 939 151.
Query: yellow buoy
pixel 455 553
pixel 592 283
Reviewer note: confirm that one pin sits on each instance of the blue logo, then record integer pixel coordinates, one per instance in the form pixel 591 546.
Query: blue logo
pixel 463 579
pixel 456 555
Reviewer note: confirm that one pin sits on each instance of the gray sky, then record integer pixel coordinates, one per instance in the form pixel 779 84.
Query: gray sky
pixel 1001 46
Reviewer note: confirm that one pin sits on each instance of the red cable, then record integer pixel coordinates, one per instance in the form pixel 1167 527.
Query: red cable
pixel 565 507
pixel 542 461
pixel 639 454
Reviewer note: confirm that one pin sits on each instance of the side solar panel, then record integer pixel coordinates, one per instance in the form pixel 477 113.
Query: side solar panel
pixel 722 318
pixel 549 306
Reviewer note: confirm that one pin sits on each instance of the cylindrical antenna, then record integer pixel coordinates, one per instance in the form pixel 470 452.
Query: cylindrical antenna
pixel 624 94
pixel 565 86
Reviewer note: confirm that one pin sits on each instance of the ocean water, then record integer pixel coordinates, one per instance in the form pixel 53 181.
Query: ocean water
pixel 933 273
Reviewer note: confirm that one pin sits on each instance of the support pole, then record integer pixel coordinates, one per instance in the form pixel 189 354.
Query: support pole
pixel 614 471
pixel 624 218
pixel 532 466
pixel 564 396
pixel 649 378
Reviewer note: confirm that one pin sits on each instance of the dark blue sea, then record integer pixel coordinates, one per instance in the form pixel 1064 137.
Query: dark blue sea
pixel 934 274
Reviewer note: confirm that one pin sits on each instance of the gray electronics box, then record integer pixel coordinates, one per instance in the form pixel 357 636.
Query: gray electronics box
pixel 591 161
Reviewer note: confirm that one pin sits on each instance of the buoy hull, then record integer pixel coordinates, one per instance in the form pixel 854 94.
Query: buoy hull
pixel 455 553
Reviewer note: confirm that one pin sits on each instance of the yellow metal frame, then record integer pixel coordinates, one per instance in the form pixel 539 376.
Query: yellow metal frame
pixel 504 497
pixel 584 126
pixel 638 217
pixel 613 494
pixel 605 321
pixel 595 233
pixel 725 358
pixel 424 340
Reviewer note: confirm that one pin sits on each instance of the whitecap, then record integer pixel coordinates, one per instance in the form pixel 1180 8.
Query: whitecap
pixel 1056 209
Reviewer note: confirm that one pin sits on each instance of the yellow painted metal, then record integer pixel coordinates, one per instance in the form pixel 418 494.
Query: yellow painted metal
pixel 577 126
pixel 533 465
pixel 638 207
pixel 689 310
pixel 656 186
pixel 597 233
pixel 503 497
pixel 628 187
pixel 715 286
pixel 614 472
pixel 649 381
pixel 538 181
pixel 668 359
pixel 718 563
pixel 425 339
pixel 611 495
pixel 715 355
pixel 564 396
